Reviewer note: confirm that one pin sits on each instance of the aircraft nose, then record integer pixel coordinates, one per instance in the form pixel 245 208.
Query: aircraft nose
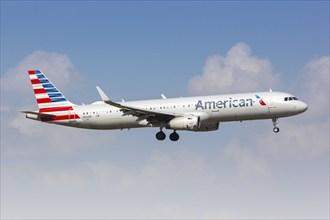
pixel 301 106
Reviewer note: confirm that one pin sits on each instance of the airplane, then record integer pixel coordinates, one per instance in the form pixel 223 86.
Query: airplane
pixel 198 114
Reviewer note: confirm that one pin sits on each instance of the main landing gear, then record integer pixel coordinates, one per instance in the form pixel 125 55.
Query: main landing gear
pixel 174 136
pixel 161 136
pixel 275 129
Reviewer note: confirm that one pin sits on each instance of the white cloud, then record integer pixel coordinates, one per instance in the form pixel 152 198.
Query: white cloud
pixel 26 127
pixel 38 138
pixel 167 185
pixel 158 172
pixel 237 71
pixel 248 164
pixel 58 67
pixel 315 79
pixel 299 141
pixel 64 179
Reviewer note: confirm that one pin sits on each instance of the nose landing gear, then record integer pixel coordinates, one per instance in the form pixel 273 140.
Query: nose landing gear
pixel 275 129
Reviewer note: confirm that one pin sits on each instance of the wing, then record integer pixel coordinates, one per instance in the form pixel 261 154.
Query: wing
pixel 153 117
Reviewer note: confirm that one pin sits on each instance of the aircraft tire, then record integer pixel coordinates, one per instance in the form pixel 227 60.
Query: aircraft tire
pixel 160 136
pixel 276 129
pixel 174 136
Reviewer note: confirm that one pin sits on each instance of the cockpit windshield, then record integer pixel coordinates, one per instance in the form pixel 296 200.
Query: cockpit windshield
pixel 290 98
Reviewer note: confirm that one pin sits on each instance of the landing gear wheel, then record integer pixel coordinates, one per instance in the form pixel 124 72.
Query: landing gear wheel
pixel 160 135
pixel 276 129
pixel 174 136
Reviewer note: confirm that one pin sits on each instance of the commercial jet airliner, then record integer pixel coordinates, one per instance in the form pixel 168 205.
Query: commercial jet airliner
pixel 201 113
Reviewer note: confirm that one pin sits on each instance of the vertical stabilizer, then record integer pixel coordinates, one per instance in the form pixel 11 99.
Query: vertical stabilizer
pixel 49 98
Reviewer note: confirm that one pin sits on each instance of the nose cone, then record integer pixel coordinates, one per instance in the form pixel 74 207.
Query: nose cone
pixel 301 107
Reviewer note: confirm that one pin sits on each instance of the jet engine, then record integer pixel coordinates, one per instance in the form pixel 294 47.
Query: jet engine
pixel 184 123
pixel 208 126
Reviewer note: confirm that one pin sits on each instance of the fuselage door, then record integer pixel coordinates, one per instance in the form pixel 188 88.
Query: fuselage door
pixel 72 116
pixel 271 106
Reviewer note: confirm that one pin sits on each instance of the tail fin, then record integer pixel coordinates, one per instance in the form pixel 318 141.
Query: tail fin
pixel 49 98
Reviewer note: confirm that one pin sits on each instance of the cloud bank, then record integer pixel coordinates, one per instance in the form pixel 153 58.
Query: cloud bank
pixel 236 71
pixel 58 67
pixel 315 81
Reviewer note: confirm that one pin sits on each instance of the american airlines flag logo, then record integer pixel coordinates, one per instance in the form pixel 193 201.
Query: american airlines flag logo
pixel 50 100
pixel 260 100
pixel 44 90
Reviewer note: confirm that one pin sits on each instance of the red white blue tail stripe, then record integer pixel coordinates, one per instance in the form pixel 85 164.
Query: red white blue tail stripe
pixel 49 99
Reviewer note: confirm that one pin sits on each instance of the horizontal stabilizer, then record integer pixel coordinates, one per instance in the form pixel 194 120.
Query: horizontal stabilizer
pixel 39 116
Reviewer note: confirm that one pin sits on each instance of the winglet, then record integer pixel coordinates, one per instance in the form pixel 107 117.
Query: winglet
pixel 104 97
pixel 163 96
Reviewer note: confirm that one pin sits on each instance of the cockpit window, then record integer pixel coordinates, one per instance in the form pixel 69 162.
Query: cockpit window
pixel 290 98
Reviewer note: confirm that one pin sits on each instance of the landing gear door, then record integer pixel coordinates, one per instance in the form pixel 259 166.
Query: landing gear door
pixel 271 107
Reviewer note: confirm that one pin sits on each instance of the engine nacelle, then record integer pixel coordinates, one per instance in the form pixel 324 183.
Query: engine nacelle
pixel 184 123
pixel 208 126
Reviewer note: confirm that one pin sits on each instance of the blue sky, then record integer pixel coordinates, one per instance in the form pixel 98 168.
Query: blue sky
pixel 137 50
